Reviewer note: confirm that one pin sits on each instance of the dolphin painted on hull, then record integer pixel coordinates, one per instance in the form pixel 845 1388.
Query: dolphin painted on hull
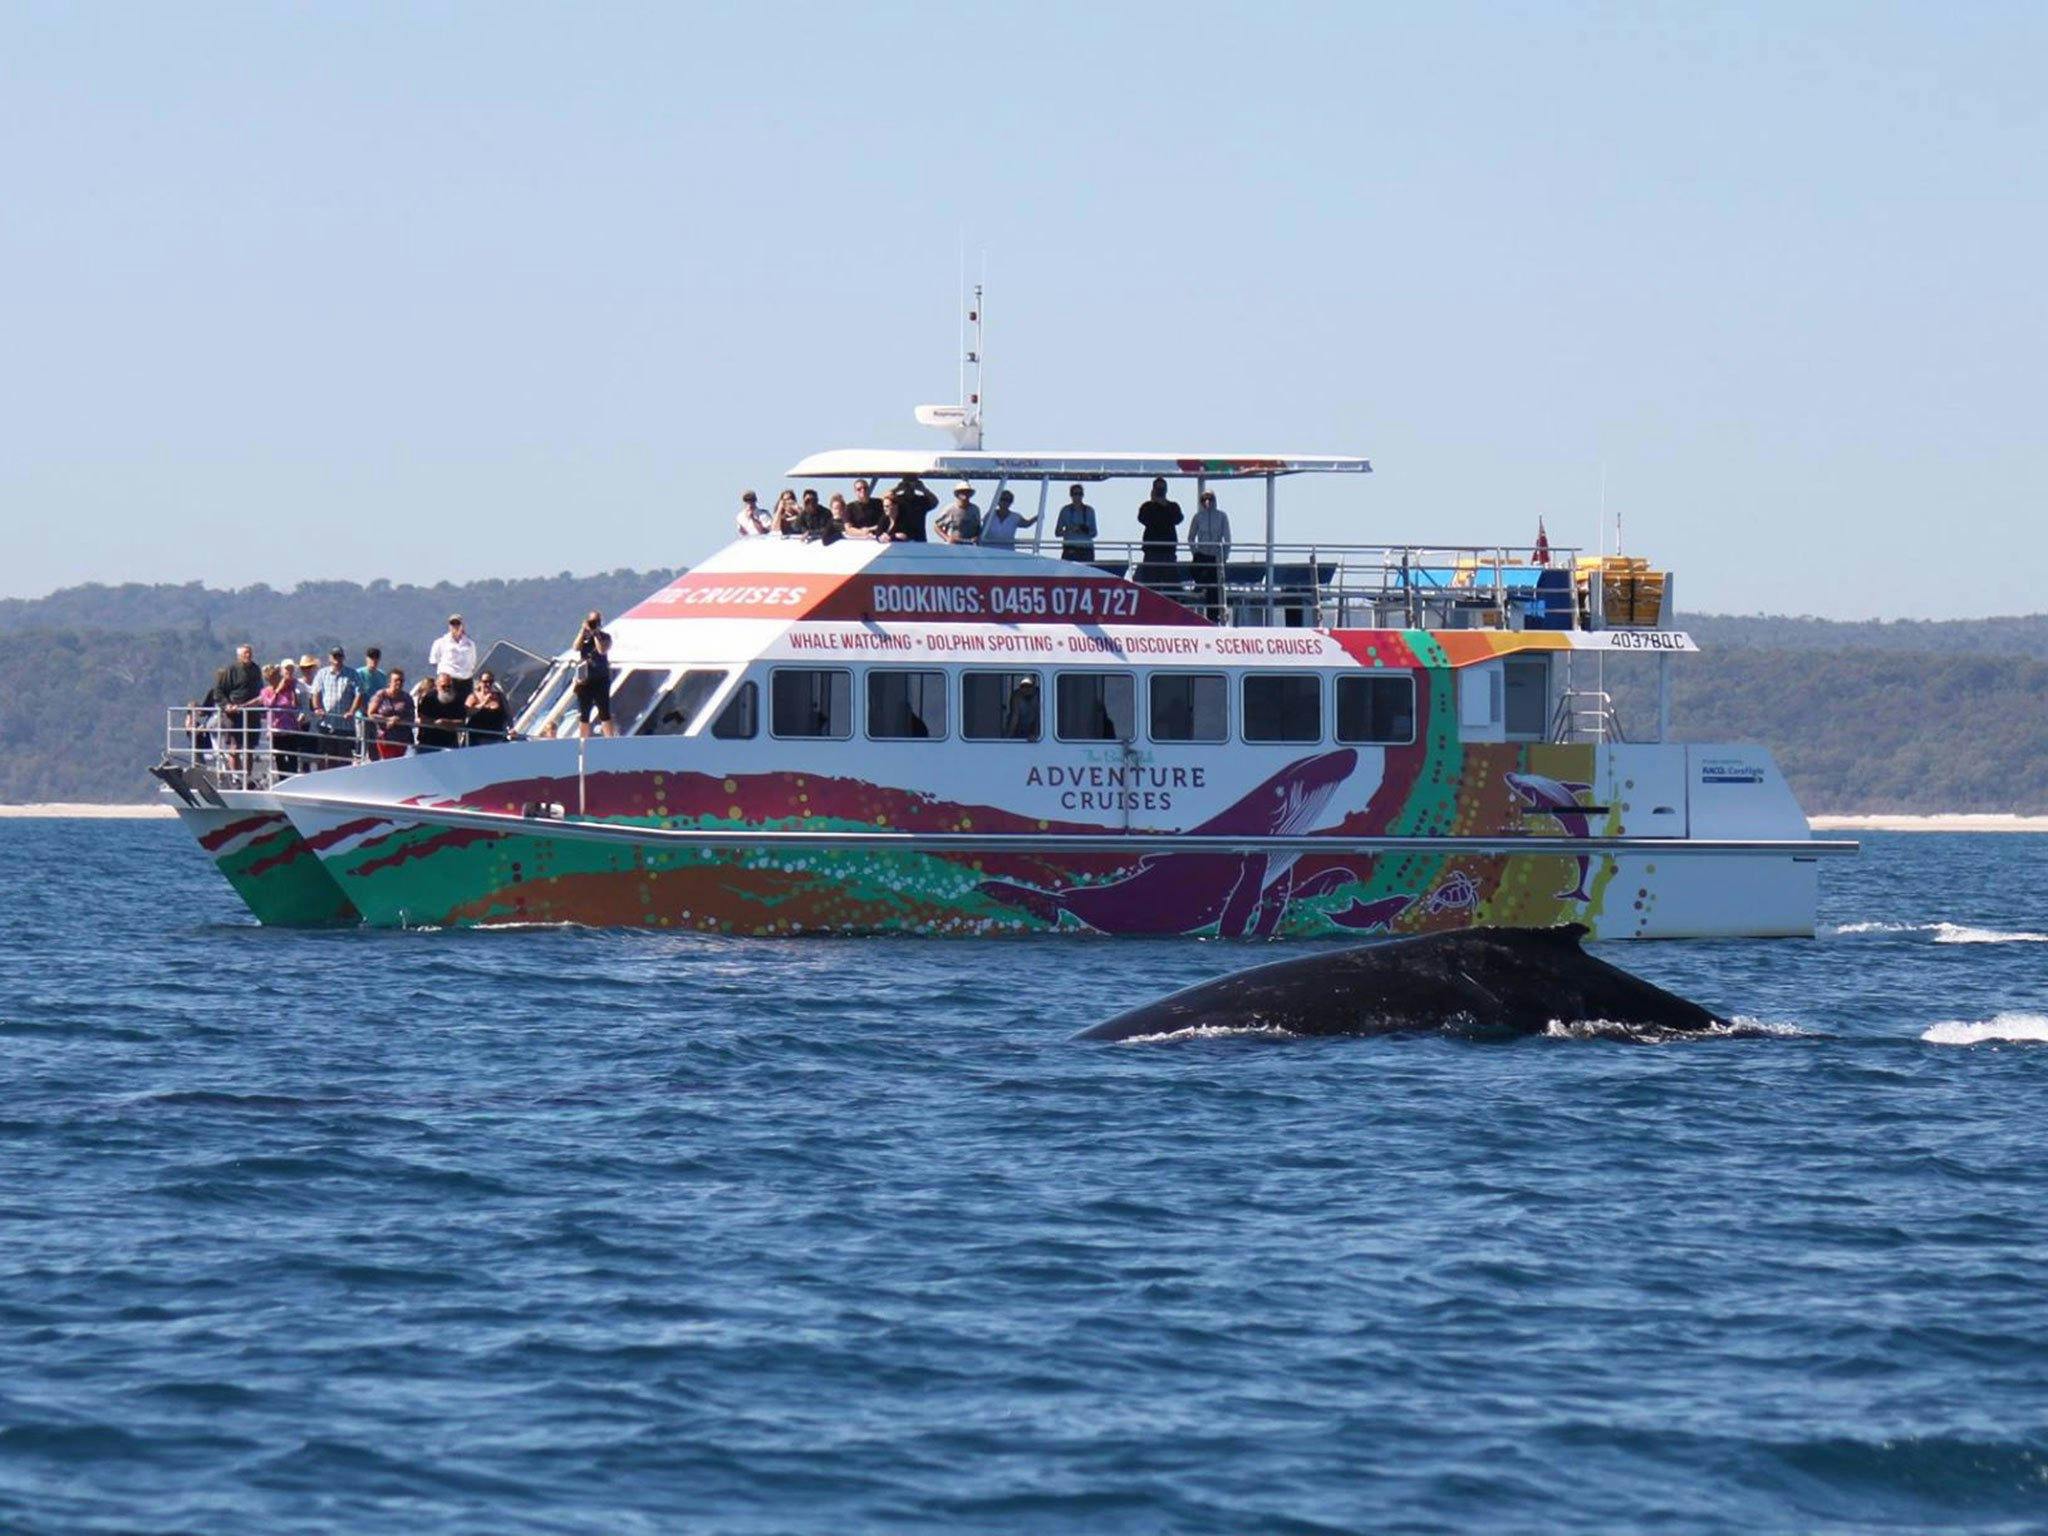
pixel 1541 796
pixel 1504 980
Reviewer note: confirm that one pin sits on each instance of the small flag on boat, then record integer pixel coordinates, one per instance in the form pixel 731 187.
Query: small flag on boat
pixel 1542 553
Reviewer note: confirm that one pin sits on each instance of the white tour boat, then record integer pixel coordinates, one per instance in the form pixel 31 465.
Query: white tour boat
pixel 873 736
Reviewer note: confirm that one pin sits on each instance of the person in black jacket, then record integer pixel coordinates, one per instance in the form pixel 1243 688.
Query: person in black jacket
pixel 442 709
pixel 1160 520
pixel 239 688
pixel 914 503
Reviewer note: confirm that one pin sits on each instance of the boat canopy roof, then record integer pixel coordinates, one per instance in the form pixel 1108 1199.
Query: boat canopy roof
pixel 961 464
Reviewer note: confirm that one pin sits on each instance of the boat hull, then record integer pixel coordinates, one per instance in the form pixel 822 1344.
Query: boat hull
pixel 263 856
pixel 1322 845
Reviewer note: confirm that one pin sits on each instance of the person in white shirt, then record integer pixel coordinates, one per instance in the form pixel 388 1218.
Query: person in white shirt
pixel 999 528
pixel 454 654
pixel 752 521
pixel 1208 548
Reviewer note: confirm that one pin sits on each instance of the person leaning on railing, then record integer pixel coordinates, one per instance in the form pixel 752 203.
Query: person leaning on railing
pixel 391 715
pixel 337 696
pixel 238 688
pixel 486 714
pixel 1076 527
pixel 440 712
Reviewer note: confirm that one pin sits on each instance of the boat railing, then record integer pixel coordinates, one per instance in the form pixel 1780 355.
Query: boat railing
pixel 246 750
pixel 1398 586
pixel 1586 714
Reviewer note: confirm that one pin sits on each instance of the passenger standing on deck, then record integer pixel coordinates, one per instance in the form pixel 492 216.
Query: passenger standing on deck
pixel 485 712
pixel 961 522
pixel 999 529
pixel 441 714
pixel 454 654
pixel 866 518
pixel 594 681
pixel 1160 519
pixel 1208 548
pixel 371 676
pixel 337 696
pixel 752 521
pixel 391 715
pixel 818 524
pixel 789 517
pixel 914 503
pixel 238 687
pixel 1076 527
pixel 287 703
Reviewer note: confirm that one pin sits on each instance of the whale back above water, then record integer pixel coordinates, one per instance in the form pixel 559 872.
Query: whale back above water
pixel 1505 980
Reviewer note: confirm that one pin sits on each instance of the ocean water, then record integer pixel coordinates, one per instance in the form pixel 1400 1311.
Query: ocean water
pixel 563 1231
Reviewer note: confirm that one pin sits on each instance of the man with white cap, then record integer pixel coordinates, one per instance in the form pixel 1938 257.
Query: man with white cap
pixel 961 522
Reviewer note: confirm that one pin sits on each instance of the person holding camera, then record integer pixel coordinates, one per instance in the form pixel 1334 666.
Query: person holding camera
pixel 594 677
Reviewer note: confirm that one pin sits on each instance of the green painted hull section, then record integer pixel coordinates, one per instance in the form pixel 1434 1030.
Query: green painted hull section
pixel 277 876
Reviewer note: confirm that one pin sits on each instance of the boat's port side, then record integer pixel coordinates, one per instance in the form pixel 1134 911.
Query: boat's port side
pixel 269 865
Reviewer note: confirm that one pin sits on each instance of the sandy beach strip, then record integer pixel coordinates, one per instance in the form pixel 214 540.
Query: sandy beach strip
pixel 1987 821
pixel 85 811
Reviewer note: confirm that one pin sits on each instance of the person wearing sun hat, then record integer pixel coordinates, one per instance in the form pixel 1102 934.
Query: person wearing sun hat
pixel 961 522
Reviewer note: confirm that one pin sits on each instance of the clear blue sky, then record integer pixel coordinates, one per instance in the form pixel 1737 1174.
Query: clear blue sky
pixel 431 291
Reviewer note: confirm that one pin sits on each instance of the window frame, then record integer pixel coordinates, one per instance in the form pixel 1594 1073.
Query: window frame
pixel 750 688
pixel 1524 662
pixel 1036 673
pixel 1367 677
pixel 1244 714
pixel 1175 674
pixel 845 672
pixel 1106 674
pixel 944 733
pixel 710 709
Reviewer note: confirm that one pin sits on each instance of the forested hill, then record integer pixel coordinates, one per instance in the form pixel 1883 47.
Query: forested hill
pixel 1896 716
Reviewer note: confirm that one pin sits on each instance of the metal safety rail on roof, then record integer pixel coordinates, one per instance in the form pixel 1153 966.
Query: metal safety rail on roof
pixel 963 464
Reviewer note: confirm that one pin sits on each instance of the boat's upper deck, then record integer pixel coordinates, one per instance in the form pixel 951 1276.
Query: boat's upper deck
pixel 1261 580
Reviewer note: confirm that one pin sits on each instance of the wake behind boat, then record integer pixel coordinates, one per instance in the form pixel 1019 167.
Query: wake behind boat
pixel 871 736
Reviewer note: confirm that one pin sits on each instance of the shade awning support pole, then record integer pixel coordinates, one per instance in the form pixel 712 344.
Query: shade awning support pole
pixel 1269 551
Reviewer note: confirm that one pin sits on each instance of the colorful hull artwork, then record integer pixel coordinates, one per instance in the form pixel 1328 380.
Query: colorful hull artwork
pixel 396 873
pixel 268 863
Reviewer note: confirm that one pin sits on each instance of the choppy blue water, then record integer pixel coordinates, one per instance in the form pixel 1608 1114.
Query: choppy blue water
pixel 572 1231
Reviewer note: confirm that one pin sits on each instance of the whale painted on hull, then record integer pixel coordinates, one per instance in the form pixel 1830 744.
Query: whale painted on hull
pixel 1496 980
pixel 1240 895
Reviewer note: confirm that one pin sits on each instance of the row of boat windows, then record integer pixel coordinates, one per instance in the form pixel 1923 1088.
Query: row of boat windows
pixel 910 705
pixel 818 703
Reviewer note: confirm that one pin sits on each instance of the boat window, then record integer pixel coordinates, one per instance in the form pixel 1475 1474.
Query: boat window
pixel 999 706
pixel 1096 706
pixel 1283 707
pixel 805 701
pixel 907 706
pixel 1526 697
pixel 519 673
pixel 683 703
pixel 1189 706
pixel 741 717
pixel 1377 708
pixel 632 691
pixel 548 702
